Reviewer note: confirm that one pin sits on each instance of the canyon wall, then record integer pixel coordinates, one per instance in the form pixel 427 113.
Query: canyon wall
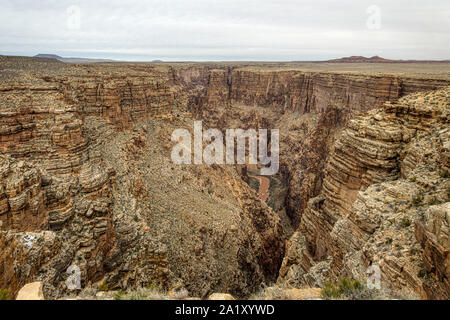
pixel 309 108
pixel 383 201
pixel 348 219
pixel 86 180
pixel 303 92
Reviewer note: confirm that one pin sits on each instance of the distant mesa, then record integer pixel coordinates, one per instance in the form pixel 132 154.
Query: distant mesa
pixel 48 56
pixel 80 60
pixel 351 59
pixel 377 59
pixel 361 59
pixel 71 60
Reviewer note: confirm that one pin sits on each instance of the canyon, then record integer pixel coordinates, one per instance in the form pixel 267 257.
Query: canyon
pixel 86 177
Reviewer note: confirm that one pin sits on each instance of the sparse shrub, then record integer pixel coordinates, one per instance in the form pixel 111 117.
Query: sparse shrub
pixel 346 288
pixel 4 294
pixel 404 223
pixel 389 240
pixel 145 294
pixel 151 292
pixel 417 201
pixel 423 273
pixel 432 202
pixel 152 287
pixel 87 293
pixel 445 174
pixel 330 291
pixel 274 293
pixel 103 287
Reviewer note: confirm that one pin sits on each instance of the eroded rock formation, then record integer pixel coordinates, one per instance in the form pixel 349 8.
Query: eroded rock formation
pixel 384 200
pixel 86 178
pixel 309 107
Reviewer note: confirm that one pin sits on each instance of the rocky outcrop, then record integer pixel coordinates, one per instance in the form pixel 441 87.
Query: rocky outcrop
pixel 22 197
pixel 433 235
pixel 387 172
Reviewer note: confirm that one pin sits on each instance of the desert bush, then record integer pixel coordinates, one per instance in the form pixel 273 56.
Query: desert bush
pixel 103 287
pixel 349 289
pixel 4 294
pixel 445 174
pixel 330 291
pixel 346 288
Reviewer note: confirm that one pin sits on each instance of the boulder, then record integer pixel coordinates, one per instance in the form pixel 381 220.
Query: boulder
pixel 221 296
pixel 31 291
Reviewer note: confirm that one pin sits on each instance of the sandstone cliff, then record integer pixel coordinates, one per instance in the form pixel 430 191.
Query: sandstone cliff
pixel 312 108
pixel 308 107
pixel 87 180
pixel 384 200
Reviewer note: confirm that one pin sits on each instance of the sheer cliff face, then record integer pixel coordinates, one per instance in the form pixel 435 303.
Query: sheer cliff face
pixel 384 201
pixel 358 218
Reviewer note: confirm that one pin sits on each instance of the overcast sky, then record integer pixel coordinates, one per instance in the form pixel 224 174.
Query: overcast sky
pixel 226 30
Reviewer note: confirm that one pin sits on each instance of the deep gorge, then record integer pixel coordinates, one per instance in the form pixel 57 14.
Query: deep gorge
pixel 86 173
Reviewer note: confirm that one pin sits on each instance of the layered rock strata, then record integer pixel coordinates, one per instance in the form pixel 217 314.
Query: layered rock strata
pixel 309 108
pixel 87 184
pixel 384 201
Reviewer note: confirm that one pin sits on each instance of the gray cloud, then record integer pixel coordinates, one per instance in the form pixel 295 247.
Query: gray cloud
pixel 226 30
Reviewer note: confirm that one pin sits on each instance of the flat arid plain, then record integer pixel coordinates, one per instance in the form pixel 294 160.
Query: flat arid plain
pixel 92 206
